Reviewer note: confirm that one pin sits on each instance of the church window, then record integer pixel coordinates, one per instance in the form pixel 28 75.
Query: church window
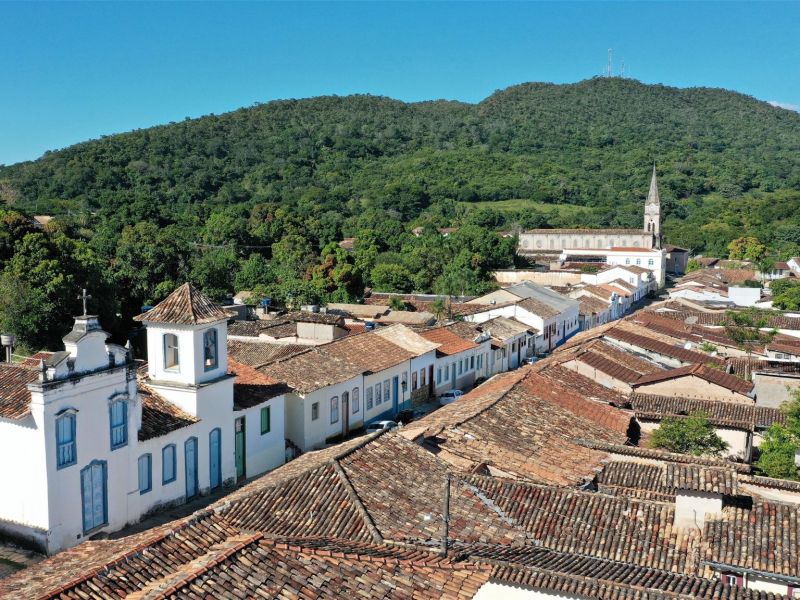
pixel 171 354
pixel 118 416
pixel 638 261
pixel 168 461
pixel 210 349
pixel 145 473
pixel 649 262
pixel 65 440
pixel 627 261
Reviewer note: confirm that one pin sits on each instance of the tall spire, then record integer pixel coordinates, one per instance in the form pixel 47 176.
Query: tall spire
pixel 652 195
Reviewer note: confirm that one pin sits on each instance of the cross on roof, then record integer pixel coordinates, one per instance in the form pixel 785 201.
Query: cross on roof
pixel 84 296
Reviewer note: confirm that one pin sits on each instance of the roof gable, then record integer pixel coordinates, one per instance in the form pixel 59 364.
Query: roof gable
pixel 185 306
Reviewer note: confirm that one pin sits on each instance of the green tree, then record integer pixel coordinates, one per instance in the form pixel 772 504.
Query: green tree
pixel 397 303
pixel 776 453
pixel 690 435
pixel 39 289
pixel 747 328
pixel 788 300
pixel 693 265
pixel 214 272
pixel 391 278
pixel 746 248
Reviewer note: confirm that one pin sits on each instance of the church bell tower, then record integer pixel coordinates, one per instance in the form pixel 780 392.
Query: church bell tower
pixel 652 212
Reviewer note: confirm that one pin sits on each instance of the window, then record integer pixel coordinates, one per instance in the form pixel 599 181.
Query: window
pixel 460 366
pixel 369 392
pixel 335 409
pixel 472 362
pixel 404 381
pixel 356 401
pixel 386 391
pixel 168 464
pixel 413 380
pixel 315 411
pixel 118 415
pixel 378 392
pixel 210 349
pixel 266 420
pixel 422 377
pixel 438 375
pixel 145 473
pixel 480 361
pixel 732 579
pixel 638 261
pixel 171 354
pixel 627 261
pixel 65 440
pixel 650 262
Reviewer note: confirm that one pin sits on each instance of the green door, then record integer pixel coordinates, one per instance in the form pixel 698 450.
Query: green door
pixel 240 446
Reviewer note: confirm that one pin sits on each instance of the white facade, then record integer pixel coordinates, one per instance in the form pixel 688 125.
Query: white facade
pixel 654 259
pixel 81 467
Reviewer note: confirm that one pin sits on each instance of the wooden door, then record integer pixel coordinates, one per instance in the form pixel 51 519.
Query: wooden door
pixel 240 443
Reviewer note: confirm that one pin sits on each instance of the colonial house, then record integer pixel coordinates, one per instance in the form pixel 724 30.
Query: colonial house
pixel 460 357
pixel 98 449
pixel 553 315
pixel 422 362
pixel 652 259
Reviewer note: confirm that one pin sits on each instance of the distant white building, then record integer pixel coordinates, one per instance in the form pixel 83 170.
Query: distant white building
pixel 95 450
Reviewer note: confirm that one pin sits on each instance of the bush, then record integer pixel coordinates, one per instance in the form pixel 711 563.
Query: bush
pixel 691 435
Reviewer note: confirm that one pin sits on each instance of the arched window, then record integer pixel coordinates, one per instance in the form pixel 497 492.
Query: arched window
pixel 210 349
pixel 66 451
pixel 171 354
pixel 356 402
pixel 118 416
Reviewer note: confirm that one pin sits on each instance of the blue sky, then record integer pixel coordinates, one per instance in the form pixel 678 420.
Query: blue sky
pixel 74 71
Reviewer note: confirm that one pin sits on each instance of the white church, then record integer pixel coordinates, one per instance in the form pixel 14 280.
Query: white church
pixel 90 445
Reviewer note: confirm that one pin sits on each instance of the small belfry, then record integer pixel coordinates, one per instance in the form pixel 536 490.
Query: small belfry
pixel 652 211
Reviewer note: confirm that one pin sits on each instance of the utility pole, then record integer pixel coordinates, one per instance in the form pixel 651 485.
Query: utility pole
pixel 608 67
pixel 446 515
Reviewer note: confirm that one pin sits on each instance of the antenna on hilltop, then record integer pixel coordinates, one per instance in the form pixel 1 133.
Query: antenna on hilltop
pixel 608 67
pixel 622 69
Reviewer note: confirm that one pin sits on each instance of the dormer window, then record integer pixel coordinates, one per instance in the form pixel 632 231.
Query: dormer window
pixel 171 354
pixel 210 349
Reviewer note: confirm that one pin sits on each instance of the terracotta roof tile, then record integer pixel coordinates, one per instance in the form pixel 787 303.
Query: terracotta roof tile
pixel 159 415
pixel 723 414
pixel 15 399
pixel 449 342
pixel 658 347
pixel 258 354
pixel 251 387
pixel 720 378
pixel 185 306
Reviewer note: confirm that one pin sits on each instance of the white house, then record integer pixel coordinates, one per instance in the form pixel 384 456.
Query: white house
pixel 102 449
pixel 462 355
pixel 555 316
pixel 652 259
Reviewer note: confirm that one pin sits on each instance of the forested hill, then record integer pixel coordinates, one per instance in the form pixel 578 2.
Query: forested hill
pixel 256 199
pixel 590 143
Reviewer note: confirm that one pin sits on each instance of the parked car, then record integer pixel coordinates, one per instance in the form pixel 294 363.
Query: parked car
pixel 450 396
pixel 531 360
pixel 380 426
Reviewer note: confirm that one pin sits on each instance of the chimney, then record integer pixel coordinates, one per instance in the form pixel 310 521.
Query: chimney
pixel 7 340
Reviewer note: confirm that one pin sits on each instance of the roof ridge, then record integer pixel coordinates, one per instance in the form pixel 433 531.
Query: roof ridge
pixel 166 586
pixel 358 504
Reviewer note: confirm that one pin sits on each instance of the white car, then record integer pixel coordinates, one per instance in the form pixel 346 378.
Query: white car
pixel 380 426
pixel 450 396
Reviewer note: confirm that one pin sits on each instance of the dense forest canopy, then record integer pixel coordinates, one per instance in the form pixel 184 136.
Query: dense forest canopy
pixel 257 198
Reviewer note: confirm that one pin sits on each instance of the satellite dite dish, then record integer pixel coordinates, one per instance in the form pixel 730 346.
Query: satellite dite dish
pixel 691 320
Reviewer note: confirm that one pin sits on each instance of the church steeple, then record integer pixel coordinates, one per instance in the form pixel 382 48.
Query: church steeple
pixel 652 211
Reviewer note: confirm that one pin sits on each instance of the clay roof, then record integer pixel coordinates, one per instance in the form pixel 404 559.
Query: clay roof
pixel 745 367
pixel 589 231
pixel 521 425
pixel 449 342
pixel 608 366
pixel 15 398
pixel 258 354
pixel 505 328
pixel 592 306
pixel 368 352
pixel 159 415
pixel 311 370
pixel 185 306
pixel 722 414
pixel 251 387
pixel 662 348
pixel 660 482
pixel 623 357
pixel 786 348
pixel 532 305
pixel 312 317
pixel 640 452
pixel 779 321
pixel 714 376
pixel 585 386
pixel 765 537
